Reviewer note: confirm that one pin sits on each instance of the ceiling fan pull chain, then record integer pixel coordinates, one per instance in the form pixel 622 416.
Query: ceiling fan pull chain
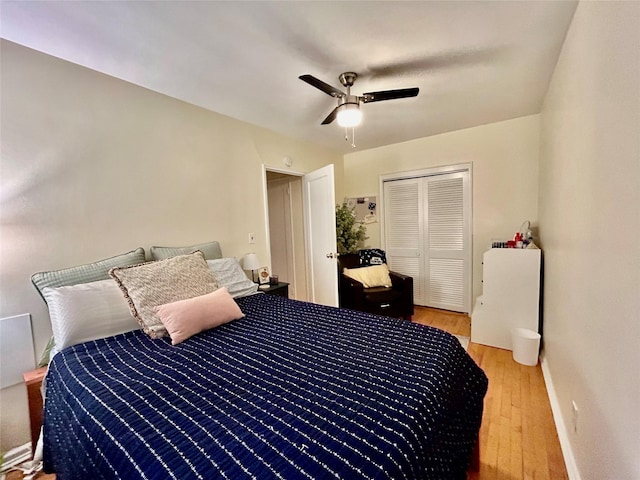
pixel 353 136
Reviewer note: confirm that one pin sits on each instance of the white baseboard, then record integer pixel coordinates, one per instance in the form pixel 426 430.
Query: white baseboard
pixel 15 457
pixel 567 451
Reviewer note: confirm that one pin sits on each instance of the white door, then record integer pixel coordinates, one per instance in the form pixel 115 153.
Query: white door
pixel 447 241
pixel 404 231
pixel 320 234
pixel 427 235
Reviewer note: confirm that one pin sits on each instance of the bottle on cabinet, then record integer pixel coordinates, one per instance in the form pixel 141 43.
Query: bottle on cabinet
pixel 518 240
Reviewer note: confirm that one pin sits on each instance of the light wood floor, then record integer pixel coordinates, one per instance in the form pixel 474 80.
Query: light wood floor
pixel 17 475
pixel 518 439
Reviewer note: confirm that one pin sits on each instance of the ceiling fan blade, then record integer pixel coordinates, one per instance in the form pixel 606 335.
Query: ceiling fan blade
pixel 320 85
pixel 389 94
pixel 331 117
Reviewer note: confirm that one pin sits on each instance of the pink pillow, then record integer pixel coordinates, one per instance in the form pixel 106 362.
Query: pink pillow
pixel 185 318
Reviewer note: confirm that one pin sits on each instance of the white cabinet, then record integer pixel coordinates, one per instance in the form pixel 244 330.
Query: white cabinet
pixel 510 296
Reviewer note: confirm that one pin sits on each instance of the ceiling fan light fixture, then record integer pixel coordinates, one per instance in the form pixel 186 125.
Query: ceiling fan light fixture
pixel 349 115
pixel 348 111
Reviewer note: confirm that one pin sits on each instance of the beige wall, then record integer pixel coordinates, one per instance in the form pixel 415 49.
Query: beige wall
pixel 505 176
pixel 93 166
pixel 589 224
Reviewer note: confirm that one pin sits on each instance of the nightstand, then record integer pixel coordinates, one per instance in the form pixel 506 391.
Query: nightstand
pixel 281 289
pixel 33 381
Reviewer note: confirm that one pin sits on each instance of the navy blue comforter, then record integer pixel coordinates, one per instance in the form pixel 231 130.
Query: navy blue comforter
pixel 294 390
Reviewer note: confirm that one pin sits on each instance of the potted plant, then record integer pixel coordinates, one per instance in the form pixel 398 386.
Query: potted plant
pixel 348 236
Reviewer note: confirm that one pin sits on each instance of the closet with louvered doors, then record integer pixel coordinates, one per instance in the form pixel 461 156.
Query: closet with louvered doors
pixel 426 233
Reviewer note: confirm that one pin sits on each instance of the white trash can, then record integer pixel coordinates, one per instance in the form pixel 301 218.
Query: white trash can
pixel 526 346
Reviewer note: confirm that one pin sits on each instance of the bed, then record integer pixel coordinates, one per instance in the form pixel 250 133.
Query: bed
pixel 291 390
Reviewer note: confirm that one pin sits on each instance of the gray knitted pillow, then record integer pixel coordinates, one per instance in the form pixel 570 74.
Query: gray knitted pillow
pixel 210 250
pixel 155 283
pixel 91 272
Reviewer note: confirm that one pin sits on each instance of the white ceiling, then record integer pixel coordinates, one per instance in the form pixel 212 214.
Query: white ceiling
pixel 475 62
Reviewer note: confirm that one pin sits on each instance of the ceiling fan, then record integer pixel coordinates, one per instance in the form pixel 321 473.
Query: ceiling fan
pixel 348 110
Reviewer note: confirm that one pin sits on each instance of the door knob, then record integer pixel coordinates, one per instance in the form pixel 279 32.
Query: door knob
pixel 332 255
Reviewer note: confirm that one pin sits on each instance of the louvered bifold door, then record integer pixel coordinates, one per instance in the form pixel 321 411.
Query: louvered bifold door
pixel 447 244
pixel 403 230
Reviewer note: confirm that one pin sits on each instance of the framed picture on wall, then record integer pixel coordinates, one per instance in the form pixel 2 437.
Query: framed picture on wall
pixel 364 208
pixel 263 276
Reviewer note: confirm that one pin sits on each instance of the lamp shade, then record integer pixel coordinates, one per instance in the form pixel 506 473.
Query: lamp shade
pixel 251 262
pixel 349 115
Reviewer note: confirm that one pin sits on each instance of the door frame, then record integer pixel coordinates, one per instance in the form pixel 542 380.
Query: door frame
pixel 429 172
pixel 265 203
pixel 309 285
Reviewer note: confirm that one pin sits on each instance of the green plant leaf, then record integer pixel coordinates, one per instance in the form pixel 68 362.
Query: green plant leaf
pixel 348 236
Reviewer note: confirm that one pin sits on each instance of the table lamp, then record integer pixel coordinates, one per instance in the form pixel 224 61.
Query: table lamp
pixel 251 262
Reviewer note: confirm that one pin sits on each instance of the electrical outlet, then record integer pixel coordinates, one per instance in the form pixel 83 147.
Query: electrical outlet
pixel 574 416
pixel 252 238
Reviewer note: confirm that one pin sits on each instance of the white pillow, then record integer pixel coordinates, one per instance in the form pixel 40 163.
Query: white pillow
pixel 229 273
pixel 87 311
pixel 373 276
